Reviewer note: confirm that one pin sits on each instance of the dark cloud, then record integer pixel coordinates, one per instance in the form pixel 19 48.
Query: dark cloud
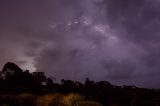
pixel 119 69
pixel 140 19
pixel 100 39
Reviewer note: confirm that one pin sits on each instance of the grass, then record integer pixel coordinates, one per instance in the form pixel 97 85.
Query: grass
pixel 57 99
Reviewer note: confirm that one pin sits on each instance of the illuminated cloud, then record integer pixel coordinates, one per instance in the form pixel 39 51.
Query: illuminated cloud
pixel 74 39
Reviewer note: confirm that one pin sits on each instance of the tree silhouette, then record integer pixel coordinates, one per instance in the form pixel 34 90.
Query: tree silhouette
pixel 14 80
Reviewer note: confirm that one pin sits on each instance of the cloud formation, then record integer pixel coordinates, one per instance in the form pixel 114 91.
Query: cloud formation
pixel 74 39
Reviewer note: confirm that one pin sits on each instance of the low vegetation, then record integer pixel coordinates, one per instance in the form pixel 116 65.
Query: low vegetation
pixel 46 100
pixel 22 88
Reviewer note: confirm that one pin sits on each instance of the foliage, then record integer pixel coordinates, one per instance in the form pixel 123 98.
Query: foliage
pixel 50 100
pixel 25 99
pixel 89 103
pixel 72 99
pixel 58 100
pixel 22 88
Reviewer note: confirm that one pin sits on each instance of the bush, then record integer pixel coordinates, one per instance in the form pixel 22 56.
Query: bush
pixel 50 100
pixel 59 100
pixel 25 99
pixel 72 99
pixel 6 100
pixel 89 103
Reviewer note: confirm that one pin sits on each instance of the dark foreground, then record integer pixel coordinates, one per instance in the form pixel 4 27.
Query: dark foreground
pixel 22 88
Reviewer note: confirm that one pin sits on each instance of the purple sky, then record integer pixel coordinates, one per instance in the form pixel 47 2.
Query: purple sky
pixel 113 40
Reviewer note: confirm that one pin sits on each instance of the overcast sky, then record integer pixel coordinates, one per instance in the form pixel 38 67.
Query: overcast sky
pixel 113 40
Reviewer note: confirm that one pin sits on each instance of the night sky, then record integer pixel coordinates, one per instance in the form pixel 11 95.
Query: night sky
pixel 113 40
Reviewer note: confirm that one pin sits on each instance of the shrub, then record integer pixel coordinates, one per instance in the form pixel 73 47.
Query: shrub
pixel 72 99
pixel 50 100
pixel 89 103
pixel 59 100
pixel 25 99
pixel 6 99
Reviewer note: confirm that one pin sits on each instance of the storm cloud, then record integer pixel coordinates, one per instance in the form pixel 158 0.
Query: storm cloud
pixel 111 40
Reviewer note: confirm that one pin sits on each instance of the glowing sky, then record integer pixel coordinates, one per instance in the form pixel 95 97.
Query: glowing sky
pixel 113 40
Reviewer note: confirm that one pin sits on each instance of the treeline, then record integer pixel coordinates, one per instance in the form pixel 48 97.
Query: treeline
pixel 15 81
